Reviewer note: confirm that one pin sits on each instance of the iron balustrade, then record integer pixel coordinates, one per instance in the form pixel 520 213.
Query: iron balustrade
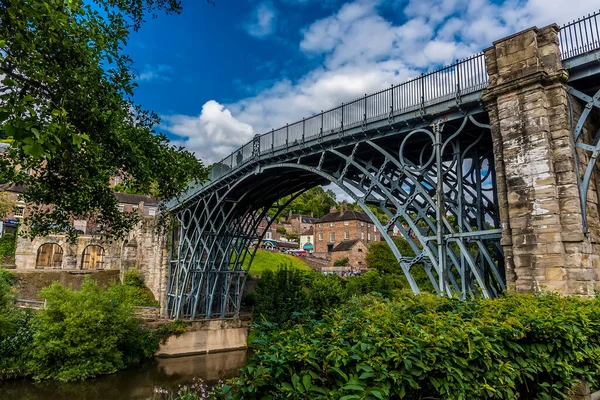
pixel 580 36
pixel 453 81
pixel 463 77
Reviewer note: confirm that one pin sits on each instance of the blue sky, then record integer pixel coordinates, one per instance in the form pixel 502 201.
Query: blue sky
pixel 219 74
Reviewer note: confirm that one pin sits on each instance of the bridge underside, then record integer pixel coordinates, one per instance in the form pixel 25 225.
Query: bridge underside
pixel 434 179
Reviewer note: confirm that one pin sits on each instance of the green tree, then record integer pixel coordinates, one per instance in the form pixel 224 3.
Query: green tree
pixel 279 295
pixel 85 333
pixel 66 109
pixel 381 258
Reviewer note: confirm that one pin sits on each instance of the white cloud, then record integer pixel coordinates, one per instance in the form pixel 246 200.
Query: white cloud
pixel 263 21
pixel 212 135
pixel 363 52
pixel 160 72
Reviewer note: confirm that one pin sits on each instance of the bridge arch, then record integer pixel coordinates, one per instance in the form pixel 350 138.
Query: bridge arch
pixel 428 179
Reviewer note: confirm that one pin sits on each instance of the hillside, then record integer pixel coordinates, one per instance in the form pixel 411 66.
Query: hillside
pixel 265 260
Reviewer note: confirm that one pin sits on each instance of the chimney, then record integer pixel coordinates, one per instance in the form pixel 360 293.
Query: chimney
pixel 332 209
pixel 343 209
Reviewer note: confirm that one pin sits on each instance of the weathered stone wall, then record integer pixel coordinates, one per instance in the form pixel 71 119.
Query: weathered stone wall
pixel 543 236
pixel 30 282
pixel 144 249
pixel 356 256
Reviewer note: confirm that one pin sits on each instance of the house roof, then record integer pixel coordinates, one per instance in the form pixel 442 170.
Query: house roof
pixel 305 219
pixel 309 231
pixel 135 199
pixel 12 188
pixel 346 245
pixel 344 215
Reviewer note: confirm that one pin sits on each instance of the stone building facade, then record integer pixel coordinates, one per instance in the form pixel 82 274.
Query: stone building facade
pixel 339 226
pixel 143 249
pixel 355 251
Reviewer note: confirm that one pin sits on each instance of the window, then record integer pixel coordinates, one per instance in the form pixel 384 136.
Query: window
pixel 117 180
pixel 320 225
pixel 121 207
pixel 374 228
pixel 49 255
pixel 362 236
pixel 374 237
pixel 19 211
pixel 93 257
pixel 268 235
pixel 362 223
pixel 152 212
pixel 332 236
pixel 369 236
pixel 360 250
pixel 332 224
pixel 346 235
pixel 320 236
pixel 346 223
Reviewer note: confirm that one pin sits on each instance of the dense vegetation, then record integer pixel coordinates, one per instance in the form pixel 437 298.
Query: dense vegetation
pixel 8 246
pixel 79 334
pixel 360 338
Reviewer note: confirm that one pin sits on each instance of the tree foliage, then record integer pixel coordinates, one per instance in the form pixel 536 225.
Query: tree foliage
pixel 66 109
pixel 428 347
pixel 85 333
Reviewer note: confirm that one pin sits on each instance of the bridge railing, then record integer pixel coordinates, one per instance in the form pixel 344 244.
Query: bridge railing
pixel 580 36
pixel 460 78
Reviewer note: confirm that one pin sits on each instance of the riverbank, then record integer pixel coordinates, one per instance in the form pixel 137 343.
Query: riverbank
pixel 135 383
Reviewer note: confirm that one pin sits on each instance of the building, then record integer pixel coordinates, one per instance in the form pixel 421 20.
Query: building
pixel 300 223
pixel 307 239
pixel 354 250
pixel 144 248
pixel 339 226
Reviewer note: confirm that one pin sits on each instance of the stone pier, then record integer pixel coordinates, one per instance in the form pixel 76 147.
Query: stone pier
pixel 545 242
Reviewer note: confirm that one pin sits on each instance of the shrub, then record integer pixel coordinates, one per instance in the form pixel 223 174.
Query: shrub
pixel 341 262
pixel 416 347
pixel 133 277
pixel 133 291
pixel 85 333
pixel 279 295
pixel 8 246
pixel 326 292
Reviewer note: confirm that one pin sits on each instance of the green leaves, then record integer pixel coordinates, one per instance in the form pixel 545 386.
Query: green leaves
pixel 69 118
pixel 430 347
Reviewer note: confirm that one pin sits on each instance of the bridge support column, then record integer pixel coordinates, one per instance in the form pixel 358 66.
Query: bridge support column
pixel 543 235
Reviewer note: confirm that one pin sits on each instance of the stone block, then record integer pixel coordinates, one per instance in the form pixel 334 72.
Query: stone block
pixel 556 274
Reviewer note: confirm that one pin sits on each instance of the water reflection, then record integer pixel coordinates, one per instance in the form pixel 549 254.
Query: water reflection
pixel 135 383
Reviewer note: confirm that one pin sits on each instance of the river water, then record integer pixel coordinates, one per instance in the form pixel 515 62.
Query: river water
pixel 136 383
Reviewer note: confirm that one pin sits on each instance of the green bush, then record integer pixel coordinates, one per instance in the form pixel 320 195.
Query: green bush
pixel 326 292
pixel 133 291
pixel 15 331
pixel 8 246
pixel 417 347
pixel 133 277
pixel 341 262
pixel 81 334
pixel 280 295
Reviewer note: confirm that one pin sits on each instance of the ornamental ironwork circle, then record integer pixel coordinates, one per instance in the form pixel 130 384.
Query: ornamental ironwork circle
pixel 423 165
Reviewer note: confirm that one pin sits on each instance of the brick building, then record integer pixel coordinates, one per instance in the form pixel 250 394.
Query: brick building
pixel 339 226
pixel 300 223
pixel 354 250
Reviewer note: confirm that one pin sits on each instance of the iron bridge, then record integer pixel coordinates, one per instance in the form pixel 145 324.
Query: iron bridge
pixel 421 151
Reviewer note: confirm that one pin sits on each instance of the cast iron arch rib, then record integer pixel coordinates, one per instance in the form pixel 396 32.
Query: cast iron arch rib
pixel 434 181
